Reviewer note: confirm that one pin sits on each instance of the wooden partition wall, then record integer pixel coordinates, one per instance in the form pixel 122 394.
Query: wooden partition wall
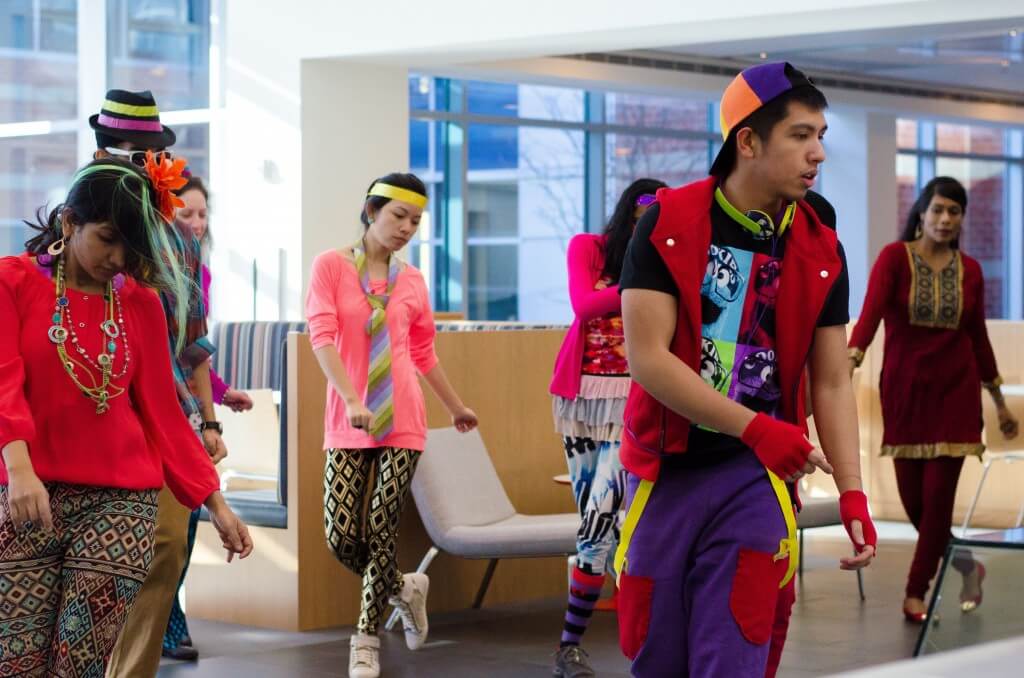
pixel 292 580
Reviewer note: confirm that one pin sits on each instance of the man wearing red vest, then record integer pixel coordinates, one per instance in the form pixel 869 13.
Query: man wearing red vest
pixel 732 288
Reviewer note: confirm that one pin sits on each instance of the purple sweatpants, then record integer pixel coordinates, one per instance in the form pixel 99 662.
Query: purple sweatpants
pixel 702 571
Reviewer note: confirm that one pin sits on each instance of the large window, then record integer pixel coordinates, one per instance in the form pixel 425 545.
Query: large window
pixel 162 46
pixel 38 60
pixel 516 170
pixel 987 160
pixel 33 173
pixel 159 45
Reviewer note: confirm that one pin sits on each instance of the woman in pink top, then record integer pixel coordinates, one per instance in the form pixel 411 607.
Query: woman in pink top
pixel 372 330
pixel 589 388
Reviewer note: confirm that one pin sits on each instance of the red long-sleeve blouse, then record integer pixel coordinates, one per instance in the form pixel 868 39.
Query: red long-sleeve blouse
pixel 142 442
pixel 937 352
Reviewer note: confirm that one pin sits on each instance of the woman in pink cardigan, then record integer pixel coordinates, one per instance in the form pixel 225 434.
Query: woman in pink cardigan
pixel 372 330
pixel 589 388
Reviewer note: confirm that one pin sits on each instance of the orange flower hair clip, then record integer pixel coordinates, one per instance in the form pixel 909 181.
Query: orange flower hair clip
pixel 166 176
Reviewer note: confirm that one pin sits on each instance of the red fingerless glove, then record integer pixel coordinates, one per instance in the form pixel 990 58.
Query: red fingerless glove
pixel 782 448
pixel 853 505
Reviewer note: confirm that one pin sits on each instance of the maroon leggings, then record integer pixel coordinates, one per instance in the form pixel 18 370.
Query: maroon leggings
pixel 927 489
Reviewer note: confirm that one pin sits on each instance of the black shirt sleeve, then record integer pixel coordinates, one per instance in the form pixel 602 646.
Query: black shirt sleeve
pixel 643 267
pixel 837 306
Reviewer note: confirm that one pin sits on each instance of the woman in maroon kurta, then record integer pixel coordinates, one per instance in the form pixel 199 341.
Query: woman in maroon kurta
pixel 937 357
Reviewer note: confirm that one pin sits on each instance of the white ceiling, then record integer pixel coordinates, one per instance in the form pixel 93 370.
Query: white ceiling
pixel 981 55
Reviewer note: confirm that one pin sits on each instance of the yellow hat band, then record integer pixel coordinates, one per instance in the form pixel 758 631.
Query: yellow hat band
pixel 396 193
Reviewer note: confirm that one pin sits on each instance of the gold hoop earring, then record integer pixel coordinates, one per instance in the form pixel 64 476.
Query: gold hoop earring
pixel 56 248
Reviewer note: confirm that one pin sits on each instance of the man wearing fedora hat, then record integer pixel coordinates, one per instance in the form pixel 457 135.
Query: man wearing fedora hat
pixel 732 288
pixel 127 127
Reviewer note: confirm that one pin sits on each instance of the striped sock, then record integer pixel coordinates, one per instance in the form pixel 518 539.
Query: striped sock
pixel 584 591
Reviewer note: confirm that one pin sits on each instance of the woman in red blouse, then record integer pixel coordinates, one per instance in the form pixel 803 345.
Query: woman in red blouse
pixel 937 357
pixel 90 425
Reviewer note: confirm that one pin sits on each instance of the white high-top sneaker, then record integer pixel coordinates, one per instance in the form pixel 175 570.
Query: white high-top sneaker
pixel 411 604
pixel 364 657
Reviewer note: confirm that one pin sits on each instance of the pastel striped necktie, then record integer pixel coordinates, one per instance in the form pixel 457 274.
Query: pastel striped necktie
pixel 379 393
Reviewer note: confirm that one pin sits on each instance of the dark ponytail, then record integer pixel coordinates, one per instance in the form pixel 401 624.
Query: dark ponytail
pixel 620 226
pixel 48 227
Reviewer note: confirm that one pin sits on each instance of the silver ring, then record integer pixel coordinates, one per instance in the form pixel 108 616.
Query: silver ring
pixel 27 525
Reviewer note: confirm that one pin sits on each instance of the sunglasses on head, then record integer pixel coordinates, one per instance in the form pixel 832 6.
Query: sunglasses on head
pixel 137 157
pixel 645 199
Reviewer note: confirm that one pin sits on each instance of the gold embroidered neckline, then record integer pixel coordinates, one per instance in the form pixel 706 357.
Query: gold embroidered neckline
pixel 936 297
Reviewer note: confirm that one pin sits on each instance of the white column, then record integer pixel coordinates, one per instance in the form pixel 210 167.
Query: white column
pixel 860 181
pixel 355 127
pixel 92 70
pixel 256 170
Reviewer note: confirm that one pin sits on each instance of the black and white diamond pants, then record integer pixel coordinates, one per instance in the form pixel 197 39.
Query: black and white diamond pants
pixel 364 491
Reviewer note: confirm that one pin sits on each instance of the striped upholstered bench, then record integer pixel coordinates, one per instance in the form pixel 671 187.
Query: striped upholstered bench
pixel 251 355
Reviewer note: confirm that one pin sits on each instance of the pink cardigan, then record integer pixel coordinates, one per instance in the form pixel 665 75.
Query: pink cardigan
pixel 337 311
pixel 585 262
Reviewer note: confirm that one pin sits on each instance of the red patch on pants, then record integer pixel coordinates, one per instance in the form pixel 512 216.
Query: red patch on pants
pixel 635 595
pixel 755 590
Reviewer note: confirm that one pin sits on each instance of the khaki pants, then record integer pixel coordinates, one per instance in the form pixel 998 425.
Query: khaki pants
pixel 137 653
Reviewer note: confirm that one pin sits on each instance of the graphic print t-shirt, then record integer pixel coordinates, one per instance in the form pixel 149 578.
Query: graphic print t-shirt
pixel 738 296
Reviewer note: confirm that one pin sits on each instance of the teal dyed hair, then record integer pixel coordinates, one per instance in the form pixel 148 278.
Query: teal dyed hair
pixel 121 194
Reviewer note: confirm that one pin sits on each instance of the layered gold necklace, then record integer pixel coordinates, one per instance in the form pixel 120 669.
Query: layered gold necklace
pixel 101 390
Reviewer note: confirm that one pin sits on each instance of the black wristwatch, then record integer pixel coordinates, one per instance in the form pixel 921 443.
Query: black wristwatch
pixel 212 426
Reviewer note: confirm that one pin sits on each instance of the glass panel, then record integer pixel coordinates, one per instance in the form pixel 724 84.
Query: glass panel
pixel 34 173
pixel 906 133
pixel 162 46
pixel 426 160
pixel 421 92
pixel 906 188
pixel 968 139
pixel 493 278
pixel 38 60
pixel 193 144
pixel 644 110
pixel 629 157
pixel 525 202
pixel 525 101
pixel 998 616
pixel 983 230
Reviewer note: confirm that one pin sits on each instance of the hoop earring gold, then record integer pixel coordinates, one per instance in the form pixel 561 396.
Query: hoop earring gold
pixel 56 248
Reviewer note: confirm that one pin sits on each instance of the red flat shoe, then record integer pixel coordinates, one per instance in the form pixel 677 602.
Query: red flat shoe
pixel 914 617
pixel 972 604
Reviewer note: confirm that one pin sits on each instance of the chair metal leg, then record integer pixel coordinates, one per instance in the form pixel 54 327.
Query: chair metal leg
pixel 974 502
pixel 860 585
pixel 424 564
pixel 570 566
pixel 485 584
pixel 800 563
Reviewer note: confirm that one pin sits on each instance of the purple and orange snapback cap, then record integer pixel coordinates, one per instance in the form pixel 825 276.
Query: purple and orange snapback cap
pixel 749 91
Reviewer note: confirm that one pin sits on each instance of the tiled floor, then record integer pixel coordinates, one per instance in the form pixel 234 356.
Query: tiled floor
pixel 831 631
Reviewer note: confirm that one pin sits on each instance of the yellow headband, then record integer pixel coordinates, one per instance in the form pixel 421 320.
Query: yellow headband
pixel 396 193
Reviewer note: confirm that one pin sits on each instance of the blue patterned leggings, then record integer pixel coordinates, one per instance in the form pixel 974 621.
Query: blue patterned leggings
pixel 598 485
